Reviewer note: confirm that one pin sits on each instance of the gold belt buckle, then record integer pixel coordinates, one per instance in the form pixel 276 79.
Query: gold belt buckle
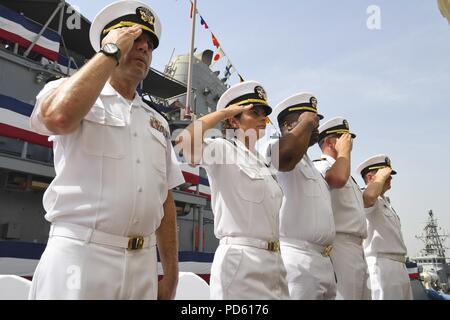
pixel 135 243
pixel 327 251
pixel 273 246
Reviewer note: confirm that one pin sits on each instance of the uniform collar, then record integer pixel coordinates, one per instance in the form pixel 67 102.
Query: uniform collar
pixel 330 159
pixel 256 155
pixel 108 90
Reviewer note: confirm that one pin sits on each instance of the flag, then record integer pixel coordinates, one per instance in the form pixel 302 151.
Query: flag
pixel 214 41
pixel 203 22
pixel 218 55
pixel 228 70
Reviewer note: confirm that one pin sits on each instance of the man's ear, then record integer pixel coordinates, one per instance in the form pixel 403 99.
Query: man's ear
pixel 288 126
pixel 328 142
pixel 233 122
pixel 370 175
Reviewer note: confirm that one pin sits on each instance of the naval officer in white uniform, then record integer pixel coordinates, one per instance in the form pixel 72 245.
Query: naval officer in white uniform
pixel 110 201
pixel 306 218
pixel 336 143
pixel 246 198
pixel 384 247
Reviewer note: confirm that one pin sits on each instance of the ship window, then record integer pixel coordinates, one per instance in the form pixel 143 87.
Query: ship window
pixel 6 45
pixel 18 181
pixel 15 147
pixel 39 153
pixel 182 208
pixel 10 146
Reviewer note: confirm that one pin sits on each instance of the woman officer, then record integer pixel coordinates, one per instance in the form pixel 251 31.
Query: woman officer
pixel 246 198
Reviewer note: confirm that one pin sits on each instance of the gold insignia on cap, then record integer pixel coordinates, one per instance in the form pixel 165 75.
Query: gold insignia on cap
pixel 146 15
pixel 261 93
pixel 388 161
pixel 313 102
pixel 345 122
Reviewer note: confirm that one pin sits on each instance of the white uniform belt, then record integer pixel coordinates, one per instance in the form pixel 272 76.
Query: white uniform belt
pixel 393 256
pixel 349 237
pixel 273 246
pixel 324 250
pixel 86 234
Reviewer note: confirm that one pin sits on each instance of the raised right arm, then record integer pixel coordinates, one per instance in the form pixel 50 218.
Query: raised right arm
pixel 292 146
pixel 190 140
pixel 375 188
pixel 63 109
pixel 339 172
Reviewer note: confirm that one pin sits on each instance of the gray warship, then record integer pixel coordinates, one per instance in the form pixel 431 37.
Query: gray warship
pixel 38 44
pixel 433 263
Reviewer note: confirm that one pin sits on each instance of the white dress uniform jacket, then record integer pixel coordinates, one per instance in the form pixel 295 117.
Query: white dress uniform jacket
pixel 112 175
pixel 348 255
pixel 306 229
pixel 385 251
pixel 245 200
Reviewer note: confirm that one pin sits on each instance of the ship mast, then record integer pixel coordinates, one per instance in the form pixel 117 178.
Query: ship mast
pixel 434 242
pixel 187 114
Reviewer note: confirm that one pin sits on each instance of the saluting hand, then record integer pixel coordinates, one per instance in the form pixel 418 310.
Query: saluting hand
pixel 384 173
pixel 310 118
pixel 123 37
pixel 344 145
pixel 234 110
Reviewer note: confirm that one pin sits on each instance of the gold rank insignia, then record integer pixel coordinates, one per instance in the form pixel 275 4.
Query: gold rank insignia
pixel 145 15
pixel 261 93
pixel 346 124
pixel 313 102
pixel 388 161
pixel 156 124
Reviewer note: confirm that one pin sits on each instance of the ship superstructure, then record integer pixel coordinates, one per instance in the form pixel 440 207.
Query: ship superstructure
pixel 433 260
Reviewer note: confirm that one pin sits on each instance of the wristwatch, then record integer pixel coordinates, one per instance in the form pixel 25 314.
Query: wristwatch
pixel 112 50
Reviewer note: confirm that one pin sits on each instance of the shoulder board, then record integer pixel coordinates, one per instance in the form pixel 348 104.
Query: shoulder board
pixel 321 159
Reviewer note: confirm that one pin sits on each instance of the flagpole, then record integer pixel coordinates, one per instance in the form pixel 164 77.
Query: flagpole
pixel 191 61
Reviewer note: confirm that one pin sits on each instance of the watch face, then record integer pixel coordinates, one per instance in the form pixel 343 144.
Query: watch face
pixel 110 48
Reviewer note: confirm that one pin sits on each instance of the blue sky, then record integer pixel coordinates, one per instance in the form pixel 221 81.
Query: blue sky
pixel 391 84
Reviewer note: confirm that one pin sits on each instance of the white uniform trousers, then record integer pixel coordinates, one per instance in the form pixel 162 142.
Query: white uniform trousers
pixel 74 269
pixel 389 279
pixel 310 275
pixel 246 273
pixel 350 267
